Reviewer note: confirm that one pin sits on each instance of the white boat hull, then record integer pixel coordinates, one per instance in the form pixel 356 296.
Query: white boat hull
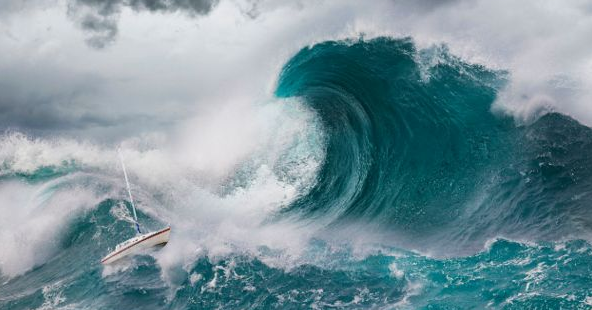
pixel 137 244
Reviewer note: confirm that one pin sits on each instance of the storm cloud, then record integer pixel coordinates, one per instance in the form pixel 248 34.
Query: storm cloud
pixel 46 100
pixel 99 18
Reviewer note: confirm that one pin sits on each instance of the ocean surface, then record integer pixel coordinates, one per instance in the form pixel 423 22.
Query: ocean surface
pixel 385 177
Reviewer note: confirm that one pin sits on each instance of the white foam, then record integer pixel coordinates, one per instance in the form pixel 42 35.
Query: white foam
pixel 396 272
pixel 216 198
pixel 23 154
pixel 34 216
pixel 53 297
pixel 195 277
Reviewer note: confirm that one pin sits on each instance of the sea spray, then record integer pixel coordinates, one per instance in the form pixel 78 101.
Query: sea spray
pixel 379 177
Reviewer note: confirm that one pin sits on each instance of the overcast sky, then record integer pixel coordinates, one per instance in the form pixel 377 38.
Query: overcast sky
pixel 104 69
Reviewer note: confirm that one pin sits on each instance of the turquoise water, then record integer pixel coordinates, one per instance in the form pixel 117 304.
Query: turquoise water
pixel 424 198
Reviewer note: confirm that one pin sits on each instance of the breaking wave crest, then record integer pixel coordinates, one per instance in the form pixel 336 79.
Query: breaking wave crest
pixel 378 176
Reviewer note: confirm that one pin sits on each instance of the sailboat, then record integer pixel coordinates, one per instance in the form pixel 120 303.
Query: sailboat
pixel 141 241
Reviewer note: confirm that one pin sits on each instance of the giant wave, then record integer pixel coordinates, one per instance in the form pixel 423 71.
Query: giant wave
pixel 382 177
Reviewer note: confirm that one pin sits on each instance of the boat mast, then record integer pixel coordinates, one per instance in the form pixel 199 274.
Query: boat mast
pixel 129 192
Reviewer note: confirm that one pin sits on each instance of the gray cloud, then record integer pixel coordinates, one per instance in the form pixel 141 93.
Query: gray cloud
pixel 423 6
pixel 99 17
pixel 29 99
pixel 103 29
pixel 10 6
pixel 46 100
pixel 109 7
